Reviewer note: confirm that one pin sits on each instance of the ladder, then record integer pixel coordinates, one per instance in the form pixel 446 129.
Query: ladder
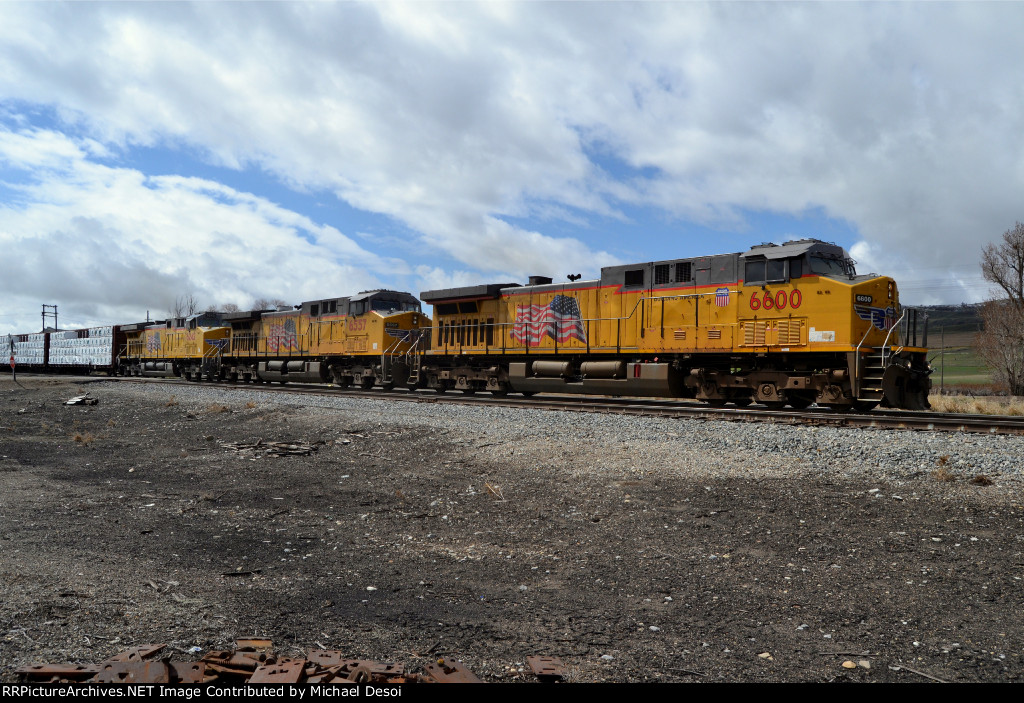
pixel 872 368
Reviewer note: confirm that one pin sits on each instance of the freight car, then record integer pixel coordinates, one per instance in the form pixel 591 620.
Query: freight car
pixel 72 351
pixel 368 339
pixel 789 324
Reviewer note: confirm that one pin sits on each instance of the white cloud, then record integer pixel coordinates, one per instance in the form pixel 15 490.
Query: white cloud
pixel 110 243
pixel 456 119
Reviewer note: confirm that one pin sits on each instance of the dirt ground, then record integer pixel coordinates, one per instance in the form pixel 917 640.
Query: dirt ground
pixel 127 523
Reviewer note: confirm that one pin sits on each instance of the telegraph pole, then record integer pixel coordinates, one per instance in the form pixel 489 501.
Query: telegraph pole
pixel 49 314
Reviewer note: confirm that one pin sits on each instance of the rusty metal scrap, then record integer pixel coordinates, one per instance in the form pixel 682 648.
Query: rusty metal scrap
pixel 547 668
pixel 252 661
pixel 450 671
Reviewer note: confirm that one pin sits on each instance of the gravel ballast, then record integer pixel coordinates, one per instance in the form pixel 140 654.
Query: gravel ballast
pixel 633 548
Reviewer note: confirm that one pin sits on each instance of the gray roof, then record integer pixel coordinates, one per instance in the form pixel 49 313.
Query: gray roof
pixel 794 248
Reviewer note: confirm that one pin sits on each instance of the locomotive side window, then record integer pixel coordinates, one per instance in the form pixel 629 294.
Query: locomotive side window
pixel 447 309
pixel 357 308
pixel 776 271
pixel 754 272
pixel 634 278
pixel 314 310
pixel 469 307
pixel 796 268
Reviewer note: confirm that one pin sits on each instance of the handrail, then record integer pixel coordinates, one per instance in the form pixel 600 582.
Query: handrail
pixel 885 344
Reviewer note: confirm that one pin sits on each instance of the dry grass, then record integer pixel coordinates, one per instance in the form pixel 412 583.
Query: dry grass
pixel 172 402
pixel 218 408
pixel 981 480
pixel 495 491
pixel 84 439
pixel 974 405
pixel 250 405
pixel 943 474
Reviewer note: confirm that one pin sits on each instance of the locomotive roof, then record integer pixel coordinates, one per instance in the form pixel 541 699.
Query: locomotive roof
pixel 728 265
pixel 383 293
pixel 488 290
pixel 795 248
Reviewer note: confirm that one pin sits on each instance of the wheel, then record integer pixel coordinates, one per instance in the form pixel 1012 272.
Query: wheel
pixel 366 383
pixel 774 404
pixel 865 405
pixel 835 407
pixel 528 394
pixel 388 386
pixel 742 402
pixel 716 402
pixel 468 391
pixel 499 394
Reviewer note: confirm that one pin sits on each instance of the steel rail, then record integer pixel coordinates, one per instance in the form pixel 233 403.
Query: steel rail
pixel 650 407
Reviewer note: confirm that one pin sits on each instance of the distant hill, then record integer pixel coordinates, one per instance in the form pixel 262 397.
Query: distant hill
pixel 954 319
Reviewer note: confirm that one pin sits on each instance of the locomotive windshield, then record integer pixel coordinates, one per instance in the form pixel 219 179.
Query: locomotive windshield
pixel 831 266
pixel 394 306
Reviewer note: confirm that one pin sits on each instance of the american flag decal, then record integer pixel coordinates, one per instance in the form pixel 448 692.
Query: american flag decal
pixel 560 319
pixel 281 337
pixel 722 297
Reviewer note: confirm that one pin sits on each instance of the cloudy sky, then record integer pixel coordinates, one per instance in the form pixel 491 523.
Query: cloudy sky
pixel 236 151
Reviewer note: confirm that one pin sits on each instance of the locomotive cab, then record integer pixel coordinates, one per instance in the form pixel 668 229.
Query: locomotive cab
pixel 372 338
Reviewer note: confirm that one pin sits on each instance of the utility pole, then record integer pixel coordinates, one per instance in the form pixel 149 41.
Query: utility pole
pixel 50 314
pixel 942 362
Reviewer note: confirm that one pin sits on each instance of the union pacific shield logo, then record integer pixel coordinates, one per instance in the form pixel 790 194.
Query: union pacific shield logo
pixel 722 297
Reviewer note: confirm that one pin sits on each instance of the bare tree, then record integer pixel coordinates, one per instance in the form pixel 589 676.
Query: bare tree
pixel 1003 264
pixel 268 304
pixel 1001 343
pixel 184 306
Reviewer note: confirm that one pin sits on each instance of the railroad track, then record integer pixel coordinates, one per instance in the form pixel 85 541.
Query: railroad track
pixel 651 407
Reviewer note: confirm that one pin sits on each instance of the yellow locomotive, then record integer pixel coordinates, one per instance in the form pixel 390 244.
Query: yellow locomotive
pixel 372 338
pixel 789 324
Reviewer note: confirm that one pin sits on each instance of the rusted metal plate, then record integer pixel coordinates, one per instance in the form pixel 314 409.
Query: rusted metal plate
pixel 332 666
pixel 255 644
pixel 187 672
pixel 280 672
pixel 133 672
pixel 242 663
pixel 327 657
pixel 57 672
pixel 143 651
pixel 547 668
pixel 449 671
